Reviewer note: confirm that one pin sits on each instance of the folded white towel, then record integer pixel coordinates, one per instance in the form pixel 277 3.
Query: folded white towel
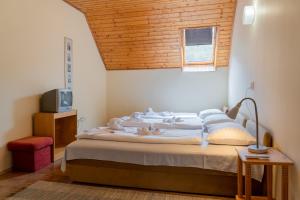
pixel 173 120
pixel 166 114
pixel 149 111
pixel 115 124
pixel 168 120
pixel 136 116
pixel 190 124
pixel 125 118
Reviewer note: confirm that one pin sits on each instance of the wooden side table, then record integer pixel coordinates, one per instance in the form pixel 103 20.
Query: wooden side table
pixel 276 158
pixel 62 127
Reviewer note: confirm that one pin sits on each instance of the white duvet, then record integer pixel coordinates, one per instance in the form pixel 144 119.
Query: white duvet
pixel 186 123
pixel 166 136
pixel 162 115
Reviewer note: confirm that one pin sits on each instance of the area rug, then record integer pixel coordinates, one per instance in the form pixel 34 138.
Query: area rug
pixel 44 190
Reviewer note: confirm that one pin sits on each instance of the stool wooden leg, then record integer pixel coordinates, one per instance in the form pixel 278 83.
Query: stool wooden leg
pixel 248 182
pixel 240 178
pixel 269 182
pixel 284 183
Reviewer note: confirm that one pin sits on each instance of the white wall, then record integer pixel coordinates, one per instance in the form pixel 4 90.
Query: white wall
pixel 32 61
pixel 165 89
pixel 268 53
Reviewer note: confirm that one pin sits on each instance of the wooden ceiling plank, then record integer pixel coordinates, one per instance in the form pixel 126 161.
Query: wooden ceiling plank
pixel 143 34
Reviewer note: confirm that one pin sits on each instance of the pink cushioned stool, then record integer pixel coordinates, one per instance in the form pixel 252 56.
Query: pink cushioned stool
pixel 31 153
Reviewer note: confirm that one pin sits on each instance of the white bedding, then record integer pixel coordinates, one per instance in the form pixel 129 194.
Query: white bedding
pixel 166 136
pixel 163 150
pixel 163 115
pixel 186 123
pixel 214 157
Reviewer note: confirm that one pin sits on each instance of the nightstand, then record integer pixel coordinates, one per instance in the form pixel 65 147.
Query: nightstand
pixel 276 158
pixel 62 127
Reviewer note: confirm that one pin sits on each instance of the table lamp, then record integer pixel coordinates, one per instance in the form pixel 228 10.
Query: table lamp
pixel 232 113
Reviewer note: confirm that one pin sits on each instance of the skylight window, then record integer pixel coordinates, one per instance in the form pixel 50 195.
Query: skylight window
pixel 199 46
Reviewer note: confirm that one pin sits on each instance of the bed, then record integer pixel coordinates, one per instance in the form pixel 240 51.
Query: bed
pixel 204 169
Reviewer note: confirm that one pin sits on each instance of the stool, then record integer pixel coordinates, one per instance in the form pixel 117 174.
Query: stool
pixel 31 153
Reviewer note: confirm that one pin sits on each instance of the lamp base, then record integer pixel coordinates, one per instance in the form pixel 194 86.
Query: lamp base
pixel 259 150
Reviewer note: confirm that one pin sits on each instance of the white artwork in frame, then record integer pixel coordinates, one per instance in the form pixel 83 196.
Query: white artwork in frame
pixel 68 63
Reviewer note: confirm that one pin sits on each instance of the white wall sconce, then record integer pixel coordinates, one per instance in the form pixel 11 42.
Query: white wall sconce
pixel 249 15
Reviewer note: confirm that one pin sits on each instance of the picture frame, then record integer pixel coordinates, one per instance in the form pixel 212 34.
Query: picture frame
pixel 68 44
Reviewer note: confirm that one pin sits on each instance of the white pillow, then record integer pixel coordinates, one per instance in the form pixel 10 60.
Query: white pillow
pixel 203 114
pixel 216 118
pixel 229 134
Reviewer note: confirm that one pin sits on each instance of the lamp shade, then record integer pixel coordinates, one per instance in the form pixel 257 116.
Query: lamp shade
pixel 232 113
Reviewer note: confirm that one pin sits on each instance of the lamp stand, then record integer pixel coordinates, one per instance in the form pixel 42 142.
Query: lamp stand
pixel 258 150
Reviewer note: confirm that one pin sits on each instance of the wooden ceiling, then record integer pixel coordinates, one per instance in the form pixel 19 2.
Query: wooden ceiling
pixel 146 34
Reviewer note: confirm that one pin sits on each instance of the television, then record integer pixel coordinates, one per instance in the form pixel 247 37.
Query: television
pixel 57 100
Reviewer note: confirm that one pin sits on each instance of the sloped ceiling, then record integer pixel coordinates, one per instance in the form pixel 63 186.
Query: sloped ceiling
pixel 141 34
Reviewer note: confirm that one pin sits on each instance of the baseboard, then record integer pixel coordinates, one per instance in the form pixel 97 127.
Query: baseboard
pixel 5 171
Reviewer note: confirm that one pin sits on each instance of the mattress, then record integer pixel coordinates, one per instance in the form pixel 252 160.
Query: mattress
pixel 204 156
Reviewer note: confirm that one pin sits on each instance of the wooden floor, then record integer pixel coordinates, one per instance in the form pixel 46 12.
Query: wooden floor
pixel 13 182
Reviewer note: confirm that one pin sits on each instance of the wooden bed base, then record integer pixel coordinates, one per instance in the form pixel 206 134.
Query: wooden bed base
pixel 179 179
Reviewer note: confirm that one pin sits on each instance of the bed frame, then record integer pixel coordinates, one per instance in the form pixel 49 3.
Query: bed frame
pixel 179 179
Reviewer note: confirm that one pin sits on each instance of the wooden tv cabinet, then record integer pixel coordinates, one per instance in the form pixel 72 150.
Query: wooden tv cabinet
pixel 62 127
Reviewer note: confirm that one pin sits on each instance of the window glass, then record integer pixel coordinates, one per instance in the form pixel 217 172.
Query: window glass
pixel 199 45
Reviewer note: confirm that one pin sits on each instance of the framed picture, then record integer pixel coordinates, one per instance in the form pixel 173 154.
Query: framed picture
pixel 68 63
